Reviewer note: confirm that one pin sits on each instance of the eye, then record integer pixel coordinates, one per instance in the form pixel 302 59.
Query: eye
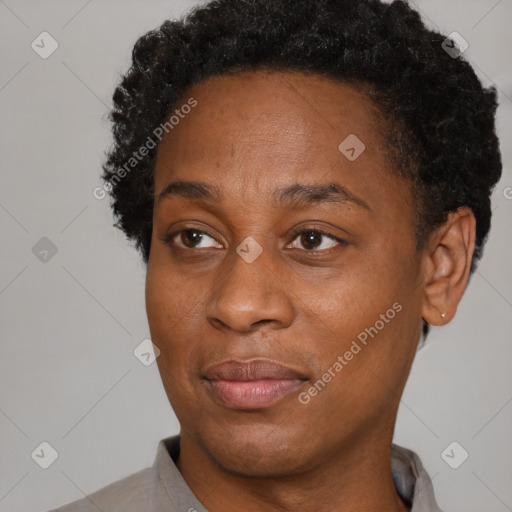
pixel 190 238
pixel 311 240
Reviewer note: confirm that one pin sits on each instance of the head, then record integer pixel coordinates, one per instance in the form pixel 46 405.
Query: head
pixel 314 189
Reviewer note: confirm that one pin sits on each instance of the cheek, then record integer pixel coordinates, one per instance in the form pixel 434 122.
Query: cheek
pixel 370 317
pixel 173 308
pixel 364 362
pixel 172 311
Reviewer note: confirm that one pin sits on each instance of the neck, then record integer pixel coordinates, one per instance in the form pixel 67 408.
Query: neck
pixel 356 477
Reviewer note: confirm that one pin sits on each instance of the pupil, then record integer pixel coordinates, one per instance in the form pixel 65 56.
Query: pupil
pixel 308 239
pixel 189 240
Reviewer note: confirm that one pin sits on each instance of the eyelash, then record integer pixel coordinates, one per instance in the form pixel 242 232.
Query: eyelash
pixel 168 239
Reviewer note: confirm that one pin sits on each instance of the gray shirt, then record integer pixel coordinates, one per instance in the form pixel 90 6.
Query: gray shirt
pixel 161 488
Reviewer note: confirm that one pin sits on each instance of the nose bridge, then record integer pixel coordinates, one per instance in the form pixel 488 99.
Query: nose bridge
pixel 248 290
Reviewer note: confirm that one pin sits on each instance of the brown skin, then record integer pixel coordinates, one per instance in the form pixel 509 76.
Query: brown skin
pixel 248 135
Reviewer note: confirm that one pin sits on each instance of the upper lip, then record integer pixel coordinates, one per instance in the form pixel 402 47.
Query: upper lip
pixel 255 369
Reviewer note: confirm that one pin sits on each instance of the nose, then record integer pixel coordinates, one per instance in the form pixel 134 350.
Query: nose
pixel 246 295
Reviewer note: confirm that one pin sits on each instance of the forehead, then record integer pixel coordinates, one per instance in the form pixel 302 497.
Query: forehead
pixel 262 127
pixel 282 107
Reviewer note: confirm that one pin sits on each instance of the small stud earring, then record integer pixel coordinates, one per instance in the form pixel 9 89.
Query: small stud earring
pixel 443 315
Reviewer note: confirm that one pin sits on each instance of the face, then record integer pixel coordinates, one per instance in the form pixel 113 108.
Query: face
pixel 283 291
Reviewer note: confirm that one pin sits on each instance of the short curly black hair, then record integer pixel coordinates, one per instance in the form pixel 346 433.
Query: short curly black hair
pixel 441 120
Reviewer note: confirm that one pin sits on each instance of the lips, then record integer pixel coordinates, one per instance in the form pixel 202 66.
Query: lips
pixel 256 369
pixel 251 384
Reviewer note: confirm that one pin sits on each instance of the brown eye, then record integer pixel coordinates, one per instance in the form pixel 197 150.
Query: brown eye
pixel 191 238
pixel 310 239
pixel 315 240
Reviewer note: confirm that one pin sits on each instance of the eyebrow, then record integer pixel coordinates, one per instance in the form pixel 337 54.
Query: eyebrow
pixel 295 195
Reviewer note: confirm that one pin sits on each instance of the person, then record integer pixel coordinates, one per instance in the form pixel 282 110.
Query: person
pixel 308 183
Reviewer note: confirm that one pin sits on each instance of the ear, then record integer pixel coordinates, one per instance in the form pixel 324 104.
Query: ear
pixel 447 266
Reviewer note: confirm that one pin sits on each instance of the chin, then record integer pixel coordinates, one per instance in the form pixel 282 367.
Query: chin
pixel 256 456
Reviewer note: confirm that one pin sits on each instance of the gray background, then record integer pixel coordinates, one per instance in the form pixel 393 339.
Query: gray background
pixel 69 326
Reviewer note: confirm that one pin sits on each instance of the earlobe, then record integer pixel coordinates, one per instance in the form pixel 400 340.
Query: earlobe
pixel 448 263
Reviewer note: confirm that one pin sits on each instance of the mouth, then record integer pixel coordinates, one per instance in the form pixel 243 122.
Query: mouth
pixel 254 384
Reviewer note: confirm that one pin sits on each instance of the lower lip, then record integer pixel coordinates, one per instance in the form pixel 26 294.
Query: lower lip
pixel 253 394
